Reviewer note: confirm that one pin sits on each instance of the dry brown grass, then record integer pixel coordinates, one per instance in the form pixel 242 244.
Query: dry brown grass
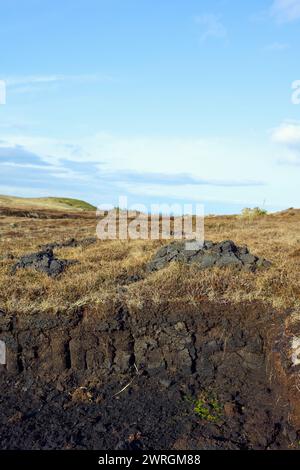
pixel 54 203
pixel 96 279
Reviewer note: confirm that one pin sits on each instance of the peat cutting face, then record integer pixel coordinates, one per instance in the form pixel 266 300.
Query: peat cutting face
pixel 146 345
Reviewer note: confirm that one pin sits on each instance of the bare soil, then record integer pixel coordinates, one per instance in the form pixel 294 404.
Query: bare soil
pixel 65 380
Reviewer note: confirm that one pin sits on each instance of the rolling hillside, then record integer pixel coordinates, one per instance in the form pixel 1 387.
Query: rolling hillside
pixel 53 203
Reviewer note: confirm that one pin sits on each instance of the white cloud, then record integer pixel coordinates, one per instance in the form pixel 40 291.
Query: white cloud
pixel 39 79
pixel 288 133
pixel 276 47
pixel 209 193
pixel 216 169
pixel 204 158
pixel 10 125
pixel 211 27
pixel 189 168
pixel 285 11
pixel 288 136
pixel 32 83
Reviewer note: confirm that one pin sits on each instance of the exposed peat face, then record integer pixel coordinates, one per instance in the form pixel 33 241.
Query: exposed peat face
pixel 176 378
pixel 144 344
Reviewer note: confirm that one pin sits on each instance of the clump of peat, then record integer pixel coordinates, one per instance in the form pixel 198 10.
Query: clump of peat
pixel 210 254
pixel 43 261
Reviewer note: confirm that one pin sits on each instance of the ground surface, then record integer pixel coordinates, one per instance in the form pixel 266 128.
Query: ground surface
pixel 105 267
pixel 35 413
pixel 38 416
pixel 55 203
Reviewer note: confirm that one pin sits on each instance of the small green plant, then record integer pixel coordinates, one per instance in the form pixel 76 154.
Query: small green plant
pixel 248 213
pixel 207 407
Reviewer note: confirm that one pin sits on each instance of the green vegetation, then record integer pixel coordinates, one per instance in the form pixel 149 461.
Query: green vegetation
pixel 248 213
pixel 207 407
pixel 73 203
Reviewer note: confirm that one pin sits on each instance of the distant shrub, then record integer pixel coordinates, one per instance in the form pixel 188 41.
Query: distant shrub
pixel 248 213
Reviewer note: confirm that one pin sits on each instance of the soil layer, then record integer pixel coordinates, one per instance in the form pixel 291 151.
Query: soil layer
pixel 218 377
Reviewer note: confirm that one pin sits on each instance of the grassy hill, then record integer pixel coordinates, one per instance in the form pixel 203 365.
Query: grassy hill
pixel 53 203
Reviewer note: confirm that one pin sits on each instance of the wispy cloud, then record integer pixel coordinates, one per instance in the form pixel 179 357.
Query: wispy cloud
pixel 175 179
pixel 11 125
pixel 18 157
pixel 104 166
pixel 18 165
pixel 30 83
pixel 40 79
pixel 211 27
pixel 17 154
pixel 276 47
pixel 204 158
pixel 285 11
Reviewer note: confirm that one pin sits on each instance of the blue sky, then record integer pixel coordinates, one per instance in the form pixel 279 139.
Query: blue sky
pixel 162 101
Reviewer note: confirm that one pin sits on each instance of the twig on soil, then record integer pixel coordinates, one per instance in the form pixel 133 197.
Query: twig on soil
pixel 128 385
